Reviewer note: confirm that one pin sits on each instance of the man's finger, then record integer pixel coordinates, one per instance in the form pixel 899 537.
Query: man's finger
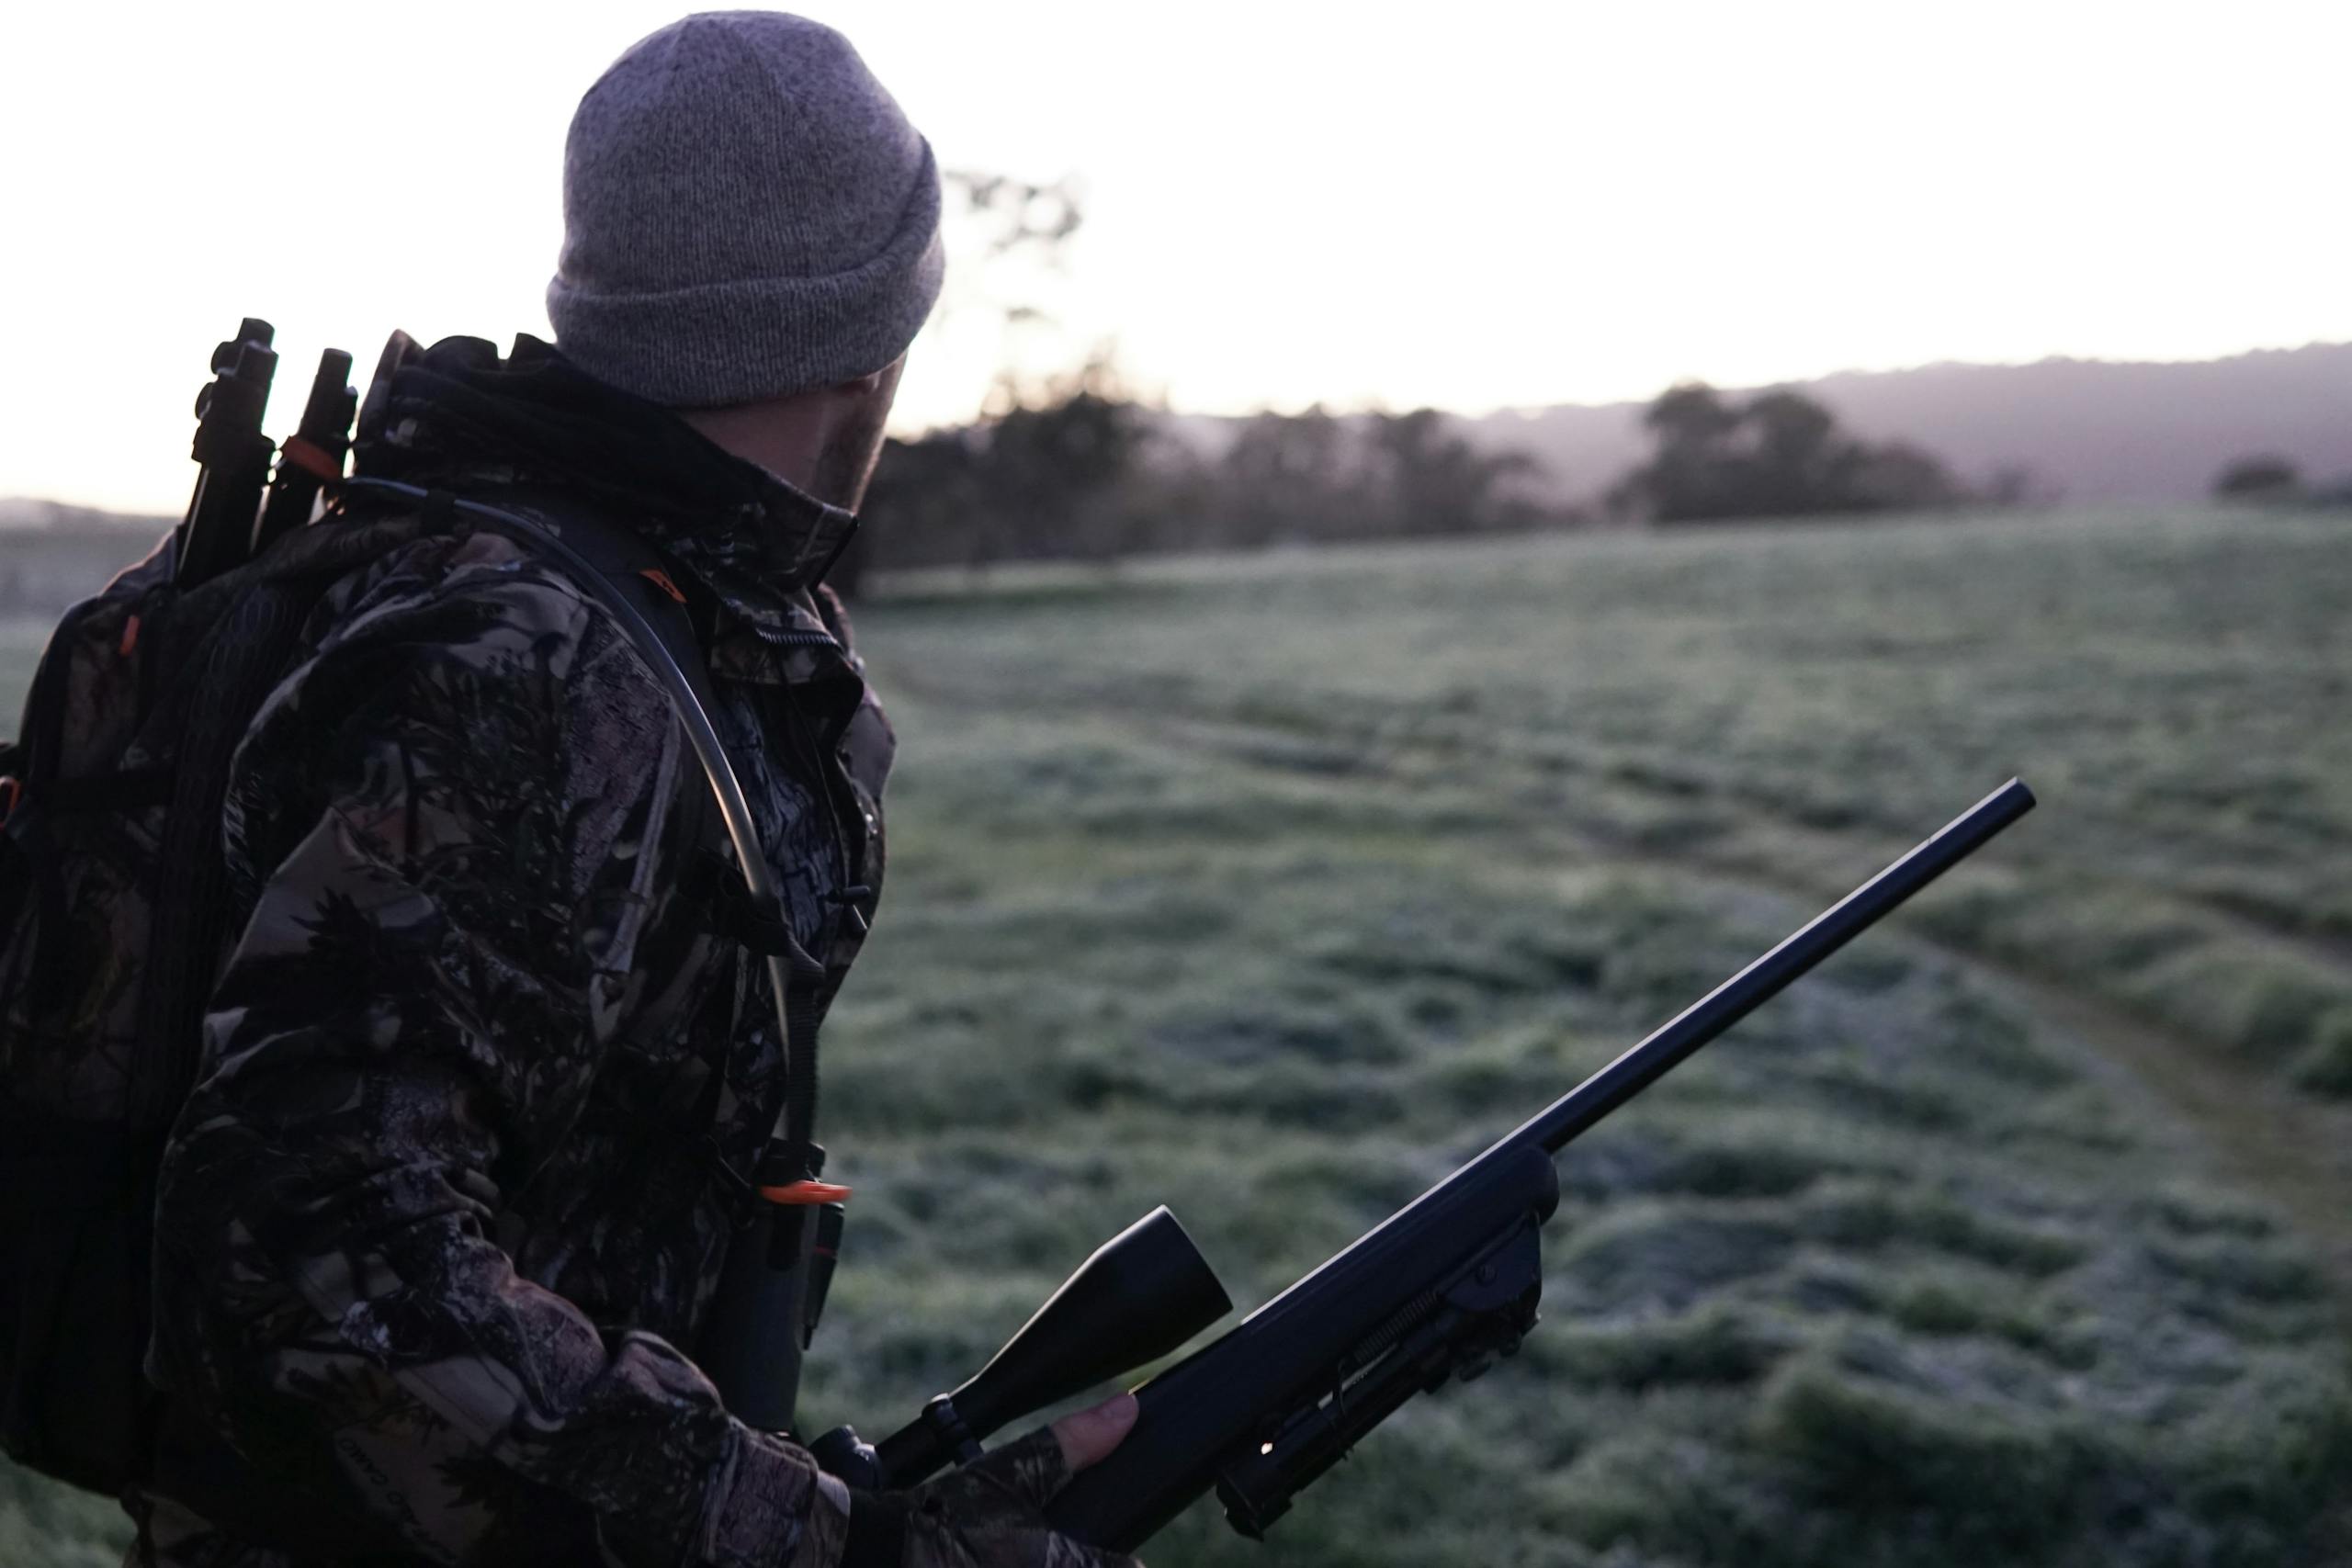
pixel 1088 1435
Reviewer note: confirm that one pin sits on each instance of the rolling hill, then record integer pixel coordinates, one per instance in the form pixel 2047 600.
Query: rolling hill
pixel 2094 431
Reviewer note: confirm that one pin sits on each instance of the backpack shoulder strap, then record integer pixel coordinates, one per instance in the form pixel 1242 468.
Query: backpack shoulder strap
pixel 640 587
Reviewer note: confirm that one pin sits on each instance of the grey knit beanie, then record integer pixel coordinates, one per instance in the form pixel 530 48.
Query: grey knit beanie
pixel 746 213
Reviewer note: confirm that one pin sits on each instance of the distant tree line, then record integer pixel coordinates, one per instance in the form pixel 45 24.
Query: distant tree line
pixel 1088 473
pixel 1083 471
pixel 1781 454
pixel 2265 478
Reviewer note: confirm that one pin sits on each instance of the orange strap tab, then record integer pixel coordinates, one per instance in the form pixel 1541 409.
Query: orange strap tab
pixel 309 457
pixel 129 637
pixel 660 578
pixel 806 1192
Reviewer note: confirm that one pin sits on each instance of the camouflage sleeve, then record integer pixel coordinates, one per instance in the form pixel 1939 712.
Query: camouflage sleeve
pixel 456 804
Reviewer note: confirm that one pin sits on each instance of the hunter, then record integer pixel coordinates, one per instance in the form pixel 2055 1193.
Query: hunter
pixel 481 1082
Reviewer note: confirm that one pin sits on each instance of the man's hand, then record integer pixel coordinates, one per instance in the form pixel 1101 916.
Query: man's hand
pixel 1088 1437
pixel 988 1515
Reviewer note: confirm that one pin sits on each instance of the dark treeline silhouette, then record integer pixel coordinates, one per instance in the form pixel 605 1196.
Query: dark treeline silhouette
pixel 1084 472
pixel 1079 470
pixel 2266 479
pixel 2260 476
pixel 1777 454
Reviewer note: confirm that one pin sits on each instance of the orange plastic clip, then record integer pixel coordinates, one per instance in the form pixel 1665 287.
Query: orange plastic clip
pixel 806 1193
pixel 311 457
pixel 660 578
pixel 129 637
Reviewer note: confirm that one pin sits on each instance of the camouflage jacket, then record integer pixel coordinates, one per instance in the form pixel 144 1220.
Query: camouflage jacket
pixel 436 1228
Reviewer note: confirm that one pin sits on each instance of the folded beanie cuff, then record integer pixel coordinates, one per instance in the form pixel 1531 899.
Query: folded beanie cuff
pixel 736 343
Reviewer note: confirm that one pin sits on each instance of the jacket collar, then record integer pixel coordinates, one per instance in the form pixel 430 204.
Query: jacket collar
pixel 457 413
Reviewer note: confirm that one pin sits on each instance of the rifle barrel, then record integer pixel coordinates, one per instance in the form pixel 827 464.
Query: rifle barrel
pixel 1644 1064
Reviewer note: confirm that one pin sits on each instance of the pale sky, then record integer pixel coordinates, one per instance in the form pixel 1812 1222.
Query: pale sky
pixel 1470 205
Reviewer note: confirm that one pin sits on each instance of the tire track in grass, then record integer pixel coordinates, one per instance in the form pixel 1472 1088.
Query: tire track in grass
pixel 2245 1127
pixel 2258 1135
pixel 2252 1131
pixel 2321 948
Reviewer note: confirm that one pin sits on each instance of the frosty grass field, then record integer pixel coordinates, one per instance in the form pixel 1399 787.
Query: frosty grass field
pixel 1272 887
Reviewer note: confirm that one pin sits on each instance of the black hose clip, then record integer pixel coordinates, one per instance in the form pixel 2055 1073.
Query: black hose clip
pixel 940 1416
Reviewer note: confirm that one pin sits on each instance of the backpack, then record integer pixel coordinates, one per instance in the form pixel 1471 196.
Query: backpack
pixel 115 915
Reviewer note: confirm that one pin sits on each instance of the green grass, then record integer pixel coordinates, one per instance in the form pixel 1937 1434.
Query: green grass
pixel 1272 888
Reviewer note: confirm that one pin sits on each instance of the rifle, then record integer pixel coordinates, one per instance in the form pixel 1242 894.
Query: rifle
pixel 227 524
pixel 234 456
pixel 1438 1291
pixel 313 456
